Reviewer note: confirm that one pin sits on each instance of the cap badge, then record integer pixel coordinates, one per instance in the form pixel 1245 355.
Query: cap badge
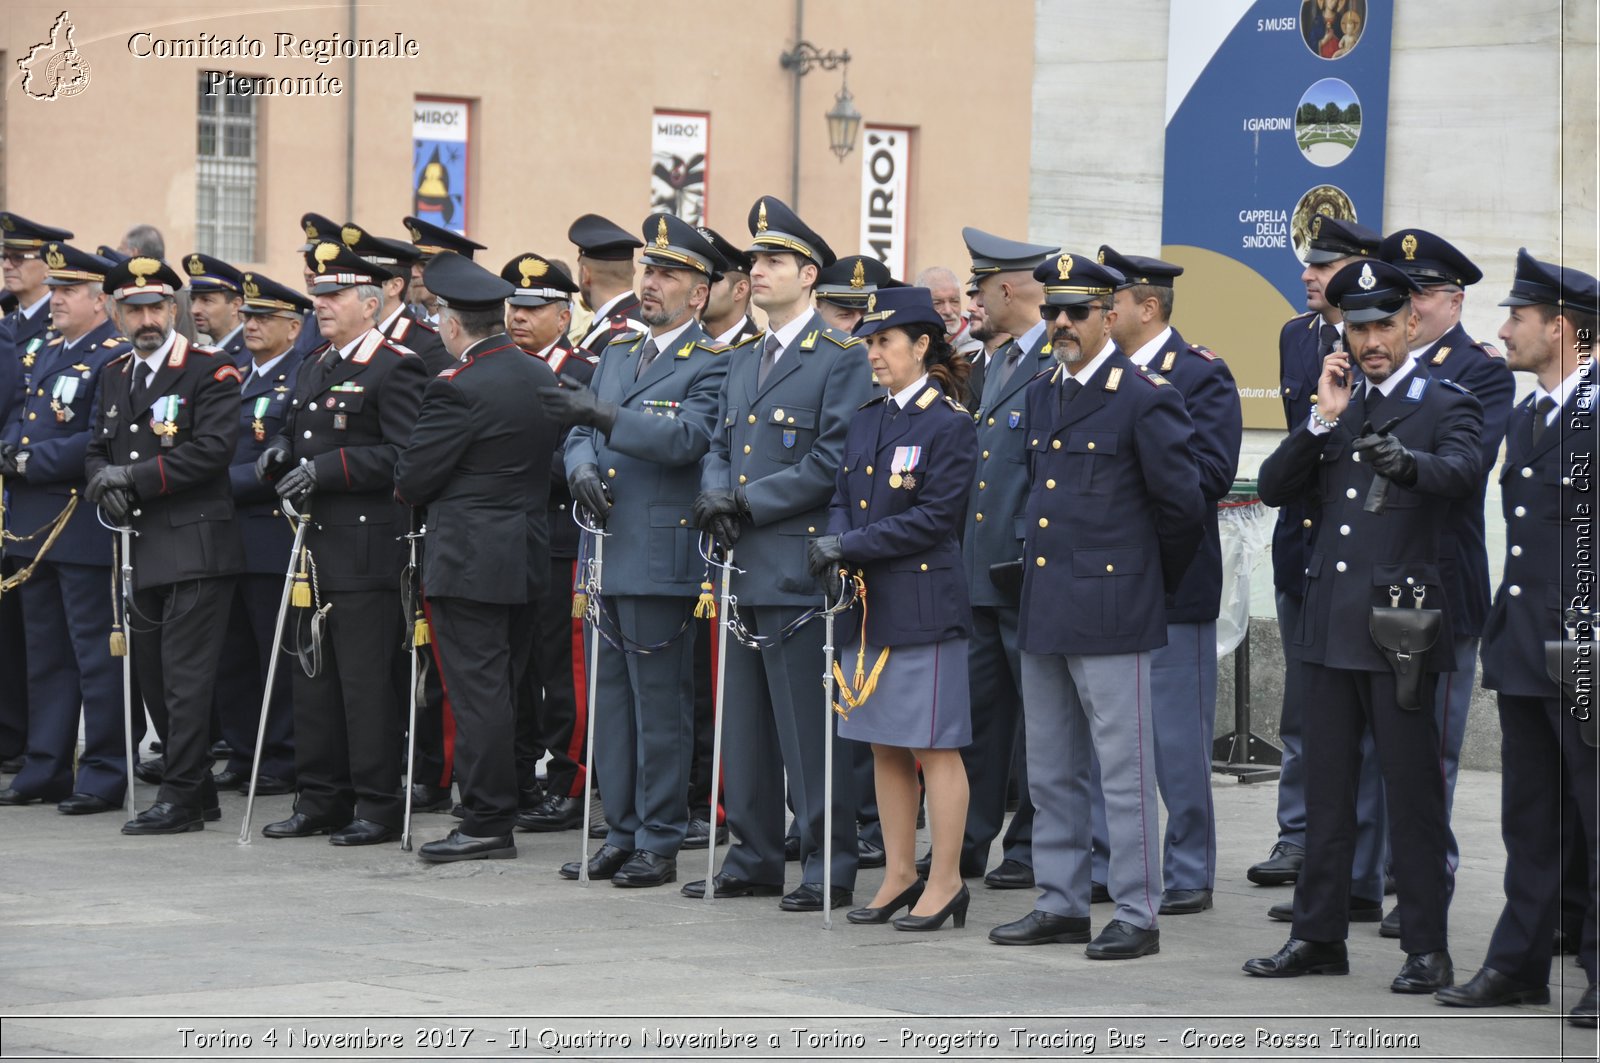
pixel 1316 226
pixel 141 268
pixel 661 231
pixel 325 252
pixel 1101 257
pixel 1064 266
pixel 311 231
pixel 1367 281
pixel 350 234
pixel 872 302
pixel 54 258
pixel 7 224
pixel 532 268
pixel 252 290
pixel 195 266
pixel 1409 246
pixel 761 217
pixel 858 278
pixel 416 234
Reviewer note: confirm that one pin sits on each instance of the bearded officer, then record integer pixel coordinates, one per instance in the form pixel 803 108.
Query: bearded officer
pixel 785 408
pixel 1113 517
pixel 351 413
pixel 553 691
pixel 216 292
pixel 163 437
pixel 642 432
pixel 479 458
pixel 272 318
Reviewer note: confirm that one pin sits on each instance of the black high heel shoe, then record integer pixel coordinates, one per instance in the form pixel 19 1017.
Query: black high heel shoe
pixel 957 908
pixel 905 899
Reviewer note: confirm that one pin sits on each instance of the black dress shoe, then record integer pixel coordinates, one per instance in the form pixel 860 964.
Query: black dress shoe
pixel 925 864
pixel 1390 927
pixel 9 796
pixel 955 910
pixel 644 869
pixel 1098 893
pixel 164 817
pixel 553 813
pixel 904 899
pixel 156 746
pixel 1010 875
pixel 699 834
pixel 12 765
pixel 1124 941
pixel 85 805
pixel 269 785
pixel 606 861
pixel 229 779
pixel 807 897
pixel 300 825
pixel 1301 957
pixel 1565 944
pixel 1424 972
pixel 1491 989
pixel 1280 868
pixel 1042 928
pixel 457 846
pixel 362 832
pixel 1361 911
pixel 425 797
pixel 869 854
pixel 151 770
pixel 1388 884
pixel 1584 1014
pixel 1184 902
pixel 725 885
pixel 221 751
pixel 791 848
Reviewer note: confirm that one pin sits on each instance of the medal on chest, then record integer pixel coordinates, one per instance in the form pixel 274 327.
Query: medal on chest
pixel 257 425
pixel 902 469
pixel 164 419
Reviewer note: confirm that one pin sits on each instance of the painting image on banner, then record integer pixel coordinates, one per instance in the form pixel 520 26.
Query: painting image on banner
pixel 1277 112
pixel 680 148
pixel 885 187
pixel 440 136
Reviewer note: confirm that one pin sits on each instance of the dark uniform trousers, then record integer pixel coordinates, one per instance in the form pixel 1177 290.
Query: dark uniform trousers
pixel 177 635
pixel 552 696
pixel 65 661
pixel 242 676
pixel 1357 556
pixel 994 671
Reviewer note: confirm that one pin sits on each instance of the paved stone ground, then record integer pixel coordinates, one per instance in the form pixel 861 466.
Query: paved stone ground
pixel 98 931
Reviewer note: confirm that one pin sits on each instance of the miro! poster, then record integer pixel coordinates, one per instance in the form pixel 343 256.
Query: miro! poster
pixel 441 137
pixel 1276 112
pixel 680 156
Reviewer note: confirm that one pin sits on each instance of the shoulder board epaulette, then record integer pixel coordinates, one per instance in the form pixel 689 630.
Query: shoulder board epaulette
pixel 954 405
pixel 423 325
pixel 927 398
pixel 712 346
pixel 53 342
pixel 841 339
pixel 228 371
pixel 624 337
pixel 449 374
pixel 1307 316
pixel 399 348
pixel 1155 379
pixel 1453 386
pixel 736 344
pixel 209 352
pixel 873 401
pixel 1205 352
pixel 123 357
pixel 1490 350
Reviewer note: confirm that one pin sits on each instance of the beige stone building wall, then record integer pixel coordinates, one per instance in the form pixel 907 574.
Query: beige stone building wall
pixel 564 96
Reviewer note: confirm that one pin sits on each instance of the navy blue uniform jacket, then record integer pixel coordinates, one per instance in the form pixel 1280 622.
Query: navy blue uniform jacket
pixel 903 540
pixel 267 535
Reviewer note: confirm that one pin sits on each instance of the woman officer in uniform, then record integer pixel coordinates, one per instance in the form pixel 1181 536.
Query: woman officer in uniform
pixel 900 499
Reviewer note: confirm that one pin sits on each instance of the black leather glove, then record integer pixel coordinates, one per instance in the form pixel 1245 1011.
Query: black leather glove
pixel 823 554
pixel 119 476
pixel 298 482
pixel 589 491
pixel 725 530
pixel 271 463
pixel 8 459
pixel 118 503
pixel 1389 458
pixel 575 404
pixel 709 505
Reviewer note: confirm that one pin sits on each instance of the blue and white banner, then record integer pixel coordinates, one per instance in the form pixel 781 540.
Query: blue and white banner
pixel 1277 111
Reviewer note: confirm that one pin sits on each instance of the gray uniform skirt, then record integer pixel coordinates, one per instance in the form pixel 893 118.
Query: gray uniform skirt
pixel 921 700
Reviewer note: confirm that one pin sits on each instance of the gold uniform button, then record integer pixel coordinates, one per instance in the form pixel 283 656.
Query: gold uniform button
pixel 978 517
pixel 811 529
pixel 1516 551
pixel 73 491
pixel 924 566
pixel 611 472
pixel 863 503
pixel 32 416
pixel 1306 523
pixel 1350 492
pixel 752 418
pixel 869 470
pixel 1039 561
pixel 1091 446
pixel 1514 590
pixel 986 455
pixel 1526 472
pixel 1049 485
pixel 741 478
pixel 747 448
pixel 1521 511
pixel 1055 444
pixel 1111 568
pixel 991 420
pixel 24 440
pixel 981 485
pixel 1341 566
pixel 1044 522
pixel 682 523
pixel 40 393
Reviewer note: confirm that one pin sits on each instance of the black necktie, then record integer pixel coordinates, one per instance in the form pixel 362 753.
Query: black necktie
pixel 1374 400
pixel 1327 338
pixel 1069 391
pixel 769 358
pixel 142 376
pixel 646 356
pixel 1541 417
